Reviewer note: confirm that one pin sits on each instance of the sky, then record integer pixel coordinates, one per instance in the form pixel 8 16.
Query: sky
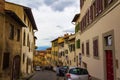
pixel 53 18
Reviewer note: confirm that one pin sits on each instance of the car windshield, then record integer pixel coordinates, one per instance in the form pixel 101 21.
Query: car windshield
pixel 78 71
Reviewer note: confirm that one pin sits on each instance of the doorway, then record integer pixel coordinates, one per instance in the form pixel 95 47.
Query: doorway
pixel 109 65
pixel 16 68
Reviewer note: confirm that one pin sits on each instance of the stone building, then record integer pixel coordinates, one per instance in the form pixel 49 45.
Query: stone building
pixel 11 46
pixel 17 40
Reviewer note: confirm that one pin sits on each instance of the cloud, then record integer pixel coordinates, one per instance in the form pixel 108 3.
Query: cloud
pixel 59 5
pixel 58 26
pixel 49 2
pixel 53 18
pixel 70 30
pixel 28 3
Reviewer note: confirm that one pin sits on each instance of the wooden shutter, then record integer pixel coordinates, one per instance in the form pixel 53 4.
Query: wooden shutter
pixel 87 48
pixel 82 48
pixel 95 48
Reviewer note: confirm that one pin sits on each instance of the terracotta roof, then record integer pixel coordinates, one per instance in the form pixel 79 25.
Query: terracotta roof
pixel 30 16
pixel 76 17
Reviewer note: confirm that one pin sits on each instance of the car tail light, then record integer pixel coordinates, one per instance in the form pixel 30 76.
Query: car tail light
pixel 68 75
pixel 89 77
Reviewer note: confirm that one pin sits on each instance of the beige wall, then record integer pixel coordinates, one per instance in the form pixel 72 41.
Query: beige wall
pixel 109 20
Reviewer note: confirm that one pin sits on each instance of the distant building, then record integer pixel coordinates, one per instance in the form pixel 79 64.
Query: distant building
pixel 39 58
pixel 48 57
pixel 66 49
pixel 71 53
pixel 61 53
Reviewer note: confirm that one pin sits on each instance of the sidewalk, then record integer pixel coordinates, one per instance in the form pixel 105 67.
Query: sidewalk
pixel 27 76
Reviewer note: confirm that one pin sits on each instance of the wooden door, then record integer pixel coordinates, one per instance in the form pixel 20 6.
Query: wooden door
pixel 109 65
pixel 16 68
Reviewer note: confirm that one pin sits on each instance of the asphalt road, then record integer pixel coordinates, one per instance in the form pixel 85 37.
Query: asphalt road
pixel 44 75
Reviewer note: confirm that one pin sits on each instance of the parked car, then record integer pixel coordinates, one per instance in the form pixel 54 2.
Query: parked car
pixel 77 74
pixel 63 70
pixel 37 68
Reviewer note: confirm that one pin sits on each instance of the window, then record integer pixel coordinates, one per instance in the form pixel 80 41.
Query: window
pixel 87 48
pixel 77 28
pixel 108 40
pixel 23 57
pixel 98 7
pixel 95 47
pixel 66 51
pixel 25 18
pixel 81 3
pixel 11 36
pixel 82 48
pixel 78 43
pixel 63 54
pixel 91 13
pixel 28 40
pixel 18 34
pixel 6 58
pixel 73 47
pixel 107 2
pixel 24 39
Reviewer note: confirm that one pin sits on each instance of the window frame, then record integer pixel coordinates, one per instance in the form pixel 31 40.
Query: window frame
pixel 87 48
pixel 6 59
pixel 11 34
pixel 96 47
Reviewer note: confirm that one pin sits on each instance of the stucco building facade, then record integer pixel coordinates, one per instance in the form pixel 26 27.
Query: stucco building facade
pixel 99 38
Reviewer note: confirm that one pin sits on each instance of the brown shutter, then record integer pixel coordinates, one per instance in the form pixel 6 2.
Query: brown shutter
pixel 91 13
pixel 82 48
pixel 95 48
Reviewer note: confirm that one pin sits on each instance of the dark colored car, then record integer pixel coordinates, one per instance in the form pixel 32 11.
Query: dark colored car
pixel 63 70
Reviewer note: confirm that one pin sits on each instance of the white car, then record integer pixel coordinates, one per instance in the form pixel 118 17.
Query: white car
pixel 77 74
pixel 37 68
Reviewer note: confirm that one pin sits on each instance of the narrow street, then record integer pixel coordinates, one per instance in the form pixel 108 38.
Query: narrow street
pixel 44 75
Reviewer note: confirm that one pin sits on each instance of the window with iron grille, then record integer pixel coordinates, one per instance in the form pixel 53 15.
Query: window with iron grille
pixel 6 60
pixel 95 47
pixel 11 34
